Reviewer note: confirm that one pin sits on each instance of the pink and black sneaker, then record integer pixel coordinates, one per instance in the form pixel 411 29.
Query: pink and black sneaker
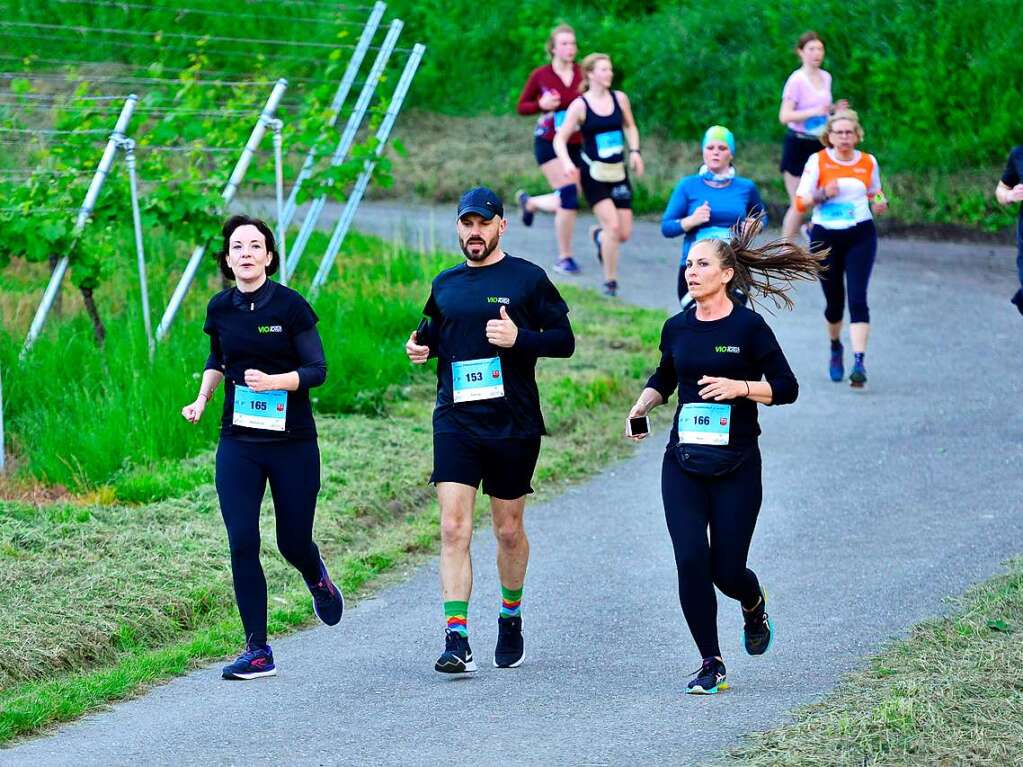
pixel 328 602
pixel 255 662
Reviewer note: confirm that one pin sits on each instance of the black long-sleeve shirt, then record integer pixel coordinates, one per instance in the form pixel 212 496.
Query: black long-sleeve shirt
pixel 740 346
pixel 272 329
pixel 462 301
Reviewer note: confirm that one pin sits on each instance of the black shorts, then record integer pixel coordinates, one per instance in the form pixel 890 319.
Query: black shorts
pixel 544 152
pixel 619 193
pixel 504 466
pixel 796 150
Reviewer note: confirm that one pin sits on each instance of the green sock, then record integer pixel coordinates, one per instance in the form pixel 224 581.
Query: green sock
pixel 511 602
pixel 457 614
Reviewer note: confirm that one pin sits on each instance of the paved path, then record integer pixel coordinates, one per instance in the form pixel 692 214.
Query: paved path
pixel 877 506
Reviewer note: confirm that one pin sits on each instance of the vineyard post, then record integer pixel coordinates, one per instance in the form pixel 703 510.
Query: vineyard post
pixel 383 133
pixel 344 144
pixel 140 250
pixel 343 89
pixel 57 276
pixel 282 258
pixel 228 194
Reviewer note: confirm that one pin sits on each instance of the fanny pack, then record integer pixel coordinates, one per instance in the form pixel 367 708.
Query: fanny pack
pixel 607 172
pixel 710 460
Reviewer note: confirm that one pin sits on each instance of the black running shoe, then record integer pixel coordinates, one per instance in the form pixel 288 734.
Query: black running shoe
pixel 610 288
pixel 858 376
pixel 1017 300
pixel 595 236
pixel 255 662
pixel 757 631
pixel 527 214
pixel 328 602
pixel 509 652
pixel 457 657
pixel 709 680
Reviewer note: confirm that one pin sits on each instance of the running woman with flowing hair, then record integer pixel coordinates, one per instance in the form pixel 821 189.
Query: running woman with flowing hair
pixel 723 360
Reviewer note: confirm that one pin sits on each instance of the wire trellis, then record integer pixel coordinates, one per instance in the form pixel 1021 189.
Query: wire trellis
pixel 319 21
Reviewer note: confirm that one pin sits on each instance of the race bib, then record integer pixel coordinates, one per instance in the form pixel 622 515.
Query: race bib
pixel 704 423
pixel 837 213
pixel 713 233
pixel 559 118
pixel 473 380
pixel 815 125
pixel 260 409
pixel 609 144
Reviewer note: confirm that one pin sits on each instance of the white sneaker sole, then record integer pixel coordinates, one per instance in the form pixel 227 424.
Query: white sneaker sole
pixel 467 668
pixel 252 675
pixel 516 664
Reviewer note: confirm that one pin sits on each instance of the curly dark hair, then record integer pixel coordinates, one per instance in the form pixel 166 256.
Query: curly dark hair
pixel 240 220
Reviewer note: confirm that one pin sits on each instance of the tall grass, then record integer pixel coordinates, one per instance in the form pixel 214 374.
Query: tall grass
pixel 82 416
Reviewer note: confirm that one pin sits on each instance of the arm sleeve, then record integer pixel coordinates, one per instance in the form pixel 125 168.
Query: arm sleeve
pixel 677 208
pixel 808 181
pixel 312 369
pixel 216 359
pixel 1011 176
pixel 529 99
pixel 665 379
pixel 555 337
pixel 776 370
pixel 755 204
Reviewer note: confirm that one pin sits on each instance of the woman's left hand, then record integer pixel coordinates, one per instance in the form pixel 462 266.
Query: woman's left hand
pixel 257 380
pixel 636 162
pixel 718 389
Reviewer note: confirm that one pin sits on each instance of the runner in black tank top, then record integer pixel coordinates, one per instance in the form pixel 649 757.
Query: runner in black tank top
pixel 610 147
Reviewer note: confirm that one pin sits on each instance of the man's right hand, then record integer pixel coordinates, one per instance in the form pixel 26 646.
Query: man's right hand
pixel 1016 193
pixel 416 353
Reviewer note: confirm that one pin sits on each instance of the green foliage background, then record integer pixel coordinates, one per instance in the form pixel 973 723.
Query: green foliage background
pixel 938 83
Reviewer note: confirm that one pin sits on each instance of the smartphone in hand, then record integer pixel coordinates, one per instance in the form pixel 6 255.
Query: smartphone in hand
pixel 639 426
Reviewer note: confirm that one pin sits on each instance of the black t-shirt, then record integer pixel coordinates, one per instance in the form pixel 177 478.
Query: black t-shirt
pixel 740 346
pixel 259 330
pixel 462 301
pixel 1014 174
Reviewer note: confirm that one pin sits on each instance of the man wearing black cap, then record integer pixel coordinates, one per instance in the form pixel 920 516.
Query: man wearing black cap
pixel 488 321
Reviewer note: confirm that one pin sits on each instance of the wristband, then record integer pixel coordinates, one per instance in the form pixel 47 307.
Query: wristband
pixel 636 151
pixel 747 387
pixel 204 395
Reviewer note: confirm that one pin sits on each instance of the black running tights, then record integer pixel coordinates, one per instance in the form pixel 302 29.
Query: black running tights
pixel 728 506
pixel 293 469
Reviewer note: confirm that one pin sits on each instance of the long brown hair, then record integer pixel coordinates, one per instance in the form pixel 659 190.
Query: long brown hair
pixel 769 269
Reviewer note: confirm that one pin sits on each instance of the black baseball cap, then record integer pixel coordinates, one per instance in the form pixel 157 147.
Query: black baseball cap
pixel 483 201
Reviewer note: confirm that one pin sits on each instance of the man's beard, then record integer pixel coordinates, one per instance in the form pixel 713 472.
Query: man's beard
pixel 488 248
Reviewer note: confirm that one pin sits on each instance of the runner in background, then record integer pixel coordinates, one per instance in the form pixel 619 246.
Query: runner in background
pixel 1009 192
pixel 604 117
pixel 805 106
pixel 548 91
pixel 840 182
pixel 709 203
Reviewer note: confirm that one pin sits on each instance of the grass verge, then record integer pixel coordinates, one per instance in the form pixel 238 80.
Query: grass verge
pixel 100 599
pixel 950 694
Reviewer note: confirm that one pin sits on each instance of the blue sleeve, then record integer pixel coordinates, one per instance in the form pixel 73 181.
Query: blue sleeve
pixel 756 203
pixel 678 207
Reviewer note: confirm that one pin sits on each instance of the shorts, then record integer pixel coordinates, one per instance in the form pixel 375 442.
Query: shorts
pixel 504 466
pixel 620 193
pixel 544 152
pixel 795 151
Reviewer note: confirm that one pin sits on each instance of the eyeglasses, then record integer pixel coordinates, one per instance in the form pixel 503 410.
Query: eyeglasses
pixel 843 133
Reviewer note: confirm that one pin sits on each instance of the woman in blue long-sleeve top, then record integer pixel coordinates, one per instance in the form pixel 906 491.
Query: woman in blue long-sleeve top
pixel 708 204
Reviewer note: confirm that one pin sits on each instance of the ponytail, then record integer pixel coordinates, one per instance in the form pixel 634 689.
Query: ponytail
pixel 769 269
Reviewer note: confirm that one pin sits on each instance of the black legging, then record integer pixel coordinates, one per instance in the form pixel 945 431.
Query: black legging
pixel 852 256
pixel 729 506
pixel 243 468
